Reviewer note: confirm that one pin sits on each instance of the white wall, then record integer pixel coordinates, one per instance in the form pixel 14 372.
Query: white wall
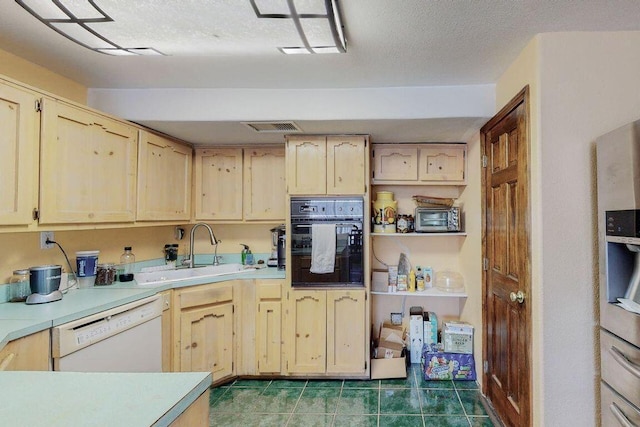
pixel 589 83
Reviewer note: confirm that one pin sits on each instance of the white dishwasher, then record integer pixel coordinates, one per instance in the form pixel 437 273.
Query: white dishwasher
pixel 127 338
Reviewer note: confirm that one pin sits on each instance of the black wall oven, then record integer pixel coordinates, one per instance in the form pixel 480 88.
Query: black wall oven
pixel 346 214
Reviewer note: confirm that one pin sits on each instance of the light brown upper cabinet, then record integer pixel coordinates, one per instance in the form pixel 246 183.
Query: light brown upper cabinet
pixel 164 179
pixel 240 184
pixel 218 184
pixel 264 184
pixel 443 163
pixel 332 165
pixel 419 164
pixel 19 141
pixel 87 167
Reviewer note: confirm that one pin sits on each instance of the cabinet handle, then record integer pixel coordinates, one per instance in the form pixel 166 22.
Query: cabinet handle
pixel 6 361
pixel 619 415
pixel 624 361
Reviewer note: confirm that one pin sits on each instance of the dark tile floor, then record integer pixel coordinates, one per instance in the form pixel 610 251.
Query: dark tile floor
pixel 410 402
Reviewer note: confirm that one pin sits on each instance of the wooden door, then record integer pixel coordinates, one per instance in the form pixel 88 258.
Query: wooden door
pixel 306 165
pixel 164 179
pixel 507 253
pixel 218 185
pixel 264 184
pixel 346 341
pixel 306 351
pixel 88 166
pixel 442 164
pixel 206 340
pixel 19 139
pixel 346 164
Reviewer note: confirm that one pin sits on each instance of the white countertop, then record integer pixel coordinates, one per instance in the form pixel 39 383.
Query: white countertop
pixel 97 399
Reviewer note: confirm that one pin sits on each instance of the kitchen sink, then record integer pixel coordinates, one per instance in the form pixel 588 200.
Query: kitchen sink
pixel 176 275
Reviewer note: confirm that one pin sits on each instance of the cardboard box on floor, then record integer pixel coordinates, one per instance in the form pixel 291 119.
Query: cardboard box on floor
pixel 391 360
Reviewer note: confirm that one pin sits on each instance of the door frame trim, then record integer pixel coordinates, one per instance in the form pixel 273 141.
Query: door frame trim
pixel 521 97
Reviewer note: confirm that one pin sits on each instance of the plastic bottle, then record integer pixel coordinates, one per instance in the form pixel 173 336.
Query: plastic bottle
pixel 412 281
pixel 126 265
pixel 419 278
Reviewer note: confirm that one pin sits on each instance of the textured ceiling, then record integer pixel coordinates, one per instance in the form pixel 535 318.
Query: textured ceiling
pixel 389 43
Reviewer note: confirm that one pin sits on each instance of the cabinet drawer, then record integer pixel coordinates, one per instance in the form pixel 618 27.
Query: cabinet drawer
pixel 620 365
pixel 205 295
pixel 615 410
pixel 269 291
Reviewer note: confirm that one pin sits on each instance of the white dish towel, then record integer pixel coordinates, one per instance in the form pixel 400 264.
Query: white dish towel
pixel 323 248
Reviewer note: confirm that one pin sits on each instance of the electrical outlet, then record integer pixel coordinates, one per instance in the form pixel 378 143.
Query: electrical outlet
pixel 44 235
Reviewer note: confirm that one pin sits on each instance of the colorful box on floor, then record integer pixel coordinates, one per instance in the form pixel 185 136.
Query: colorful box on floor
pixel 441 365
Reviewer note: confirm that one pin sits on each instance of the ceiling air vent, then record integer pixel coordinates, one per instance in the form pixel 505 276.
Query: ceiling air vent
pixel 273 127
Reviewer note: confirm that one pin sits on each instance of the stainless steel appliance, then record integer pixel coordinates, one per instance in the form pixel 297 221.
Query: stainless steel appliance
pixel 44 281
pixel 278 254
pixel 123 339
pixel 618 169
pixel 433 220
pixel 346 214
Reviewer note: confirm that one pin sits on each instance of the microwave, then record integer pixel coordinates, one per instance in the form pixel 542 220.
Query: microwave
pixel 433 220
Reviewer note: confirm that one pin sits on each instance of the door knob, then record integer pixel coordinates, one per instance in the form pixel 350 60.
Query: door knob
pixel 519 297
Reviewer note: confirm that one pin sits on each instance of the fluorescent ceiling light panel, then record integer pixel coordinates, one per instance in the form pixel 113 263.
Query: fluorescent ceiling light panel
pixel 198 27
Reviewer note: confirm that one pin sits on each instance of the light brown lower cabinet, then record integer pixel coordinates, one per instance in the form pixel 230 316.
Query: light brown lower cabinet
pixel 326 332
pixel 166 330
pixel 250 328
pixel 196 415
pixel 203 329
pixel 269 328
pixel 30 353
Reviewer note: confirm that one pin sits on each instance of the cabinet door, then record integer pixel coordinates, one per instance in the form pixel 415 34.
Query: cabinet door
pixel 166 330
pixel 30 353
pixel 264 184
pixel 268 336
pixel 307 165
pixel 346 165
pixel 346 338
pixel 307 340
pixel 218 184
pixel 88 167
pixel 164 179
pixel 19 133
pixel 443 163
pixel 395 163
pixel 206 340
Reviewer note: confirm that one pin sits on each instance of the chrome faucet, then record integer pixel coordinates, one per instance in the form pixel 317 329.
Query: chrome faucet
pixel 190 261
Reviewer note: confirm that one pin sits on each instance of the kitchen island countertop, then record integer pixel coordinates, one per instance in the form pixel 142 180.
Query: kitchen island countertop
pixel 97 399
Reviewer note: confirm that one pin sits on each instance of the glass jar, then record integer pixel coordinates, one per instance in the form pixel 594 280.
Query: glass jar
pixel 105 274
pixel 19 286
pixel 127 259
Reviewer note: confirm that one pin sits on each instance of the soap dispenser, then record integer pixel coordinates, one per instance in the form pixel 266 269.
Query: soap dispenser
pixel 246 255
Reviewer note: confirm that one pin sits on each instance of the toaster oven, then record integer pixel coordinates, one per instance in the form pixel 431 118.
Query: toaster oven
pixel 434 220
